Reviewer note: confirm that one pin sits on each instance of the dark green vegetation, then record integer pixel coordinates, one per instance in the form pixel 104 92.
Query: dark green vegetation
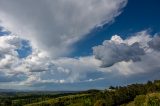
pixel 23 98
pixel 151 99
pixel 132 95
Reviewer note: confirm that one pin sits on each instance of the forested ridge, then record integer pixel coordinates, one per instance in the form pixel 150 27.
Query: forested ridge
pixel 131 95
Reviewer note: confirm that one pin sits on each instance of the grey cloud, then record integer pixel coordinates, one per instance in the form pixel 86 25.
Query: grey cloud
pixel 138 54
pixel 112 52
pixel 155 43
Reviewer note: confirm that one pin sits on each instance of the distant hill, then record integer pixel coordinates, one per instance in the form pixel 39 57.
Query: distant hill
pixel 34 91
pixel 8 90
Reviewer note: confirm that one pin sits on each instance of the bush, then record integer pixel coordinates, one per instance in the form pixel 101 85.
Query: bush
pixel 153 101
pixel 140 100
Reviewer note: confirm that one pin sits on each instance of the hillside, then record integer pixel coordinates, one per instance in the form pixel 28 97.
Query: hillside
pixel 132 95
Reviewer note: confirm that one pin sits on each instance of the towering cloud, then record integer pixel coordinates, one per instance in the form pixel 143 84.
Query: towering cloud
pixel 54 24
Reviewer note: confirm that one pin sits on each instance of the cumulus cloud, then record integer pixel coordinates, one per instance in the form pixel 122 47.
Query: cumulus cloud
pixel 8 54
pixel 54 24
pixel 11 67
pixel 134 55
pixel 134 58
pixel 116 50
pixel 38 67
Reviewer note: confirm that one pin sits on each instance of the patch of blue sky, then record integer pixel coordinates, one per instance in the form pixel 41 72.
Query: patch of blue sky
pixel 3 32
pixel 25 49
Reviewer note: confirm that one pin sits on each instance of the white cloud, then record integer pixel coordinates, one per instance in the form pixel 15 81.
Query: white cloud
pixel 74 70
pixel 8 54
pixel 11 67
pixel 77 69
pixel 120 54
pixel 39 69
pixel 54 24
pixel 52 27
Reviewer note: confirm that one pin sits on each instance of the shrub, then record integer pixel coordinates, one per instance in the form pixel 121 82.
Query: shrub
pixel 153 101
pixel 140 100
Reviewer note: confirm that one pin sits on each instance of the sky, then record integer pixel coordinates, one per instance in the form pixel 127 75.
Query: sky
pixel 78 44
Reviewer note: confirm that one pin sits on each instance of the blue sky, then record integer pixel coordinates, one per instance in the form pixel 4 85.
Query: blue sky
pixel 78 45
pixel 138 15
